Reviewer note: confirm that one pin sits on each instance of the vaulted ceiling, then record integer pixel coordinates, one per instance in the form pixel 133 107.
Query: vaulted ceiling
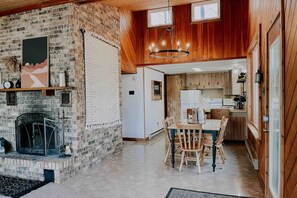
pixel 14 6
pixel 137 5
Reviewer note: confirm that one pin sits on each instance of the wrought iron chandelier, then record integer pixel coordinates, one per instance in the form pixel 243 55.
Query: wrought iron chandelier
pixel 174 50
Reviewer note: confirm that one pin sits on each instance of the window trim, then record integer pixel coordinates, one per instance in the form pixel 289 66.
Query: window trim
pixel 256 43
pixel 156 10
pixel 205 3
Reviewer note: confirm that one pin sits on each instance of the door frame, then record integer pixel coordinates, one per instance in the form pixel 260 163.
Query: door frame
pixel 279 18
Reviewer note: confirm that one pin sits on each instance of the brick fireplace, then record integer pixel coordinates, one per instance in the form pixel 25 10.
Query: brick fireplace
pixel 37 134
pixel 62 25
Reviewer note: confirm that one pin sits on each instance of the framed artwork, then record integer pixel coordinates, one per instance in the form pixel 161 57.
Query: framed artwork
pixel 156 90
pixel 11 98
pixel 35 64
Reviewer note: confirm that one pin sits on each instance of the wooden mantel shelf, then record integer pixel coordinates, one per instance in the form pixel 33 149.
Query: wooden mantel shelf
pixel 46 91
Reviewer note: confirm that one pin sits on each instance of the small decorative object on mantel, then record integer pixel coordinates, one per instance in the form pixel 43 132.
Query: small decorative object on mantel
pixel 11 63
pixel 8 84
pixel 18 84
pixel 62 81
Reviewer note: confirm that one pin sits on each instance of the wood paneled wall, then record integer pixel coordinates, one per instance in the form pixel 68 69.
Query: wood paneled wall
pixel 128 42
pixel 174 84
pixel 264 11
pixel 221 39
pixel 290 181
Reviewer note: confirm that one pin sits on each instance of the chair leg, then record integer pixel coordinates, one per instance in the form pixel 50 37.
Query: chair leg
pixel 202 155
pixel 186 161
pixel 197 162
pixel 182 161
pixel 167 153
pixel 223 153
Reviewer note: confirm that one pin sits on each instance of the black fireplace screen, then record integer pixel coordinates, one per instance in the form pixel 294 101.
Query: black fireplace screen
pixel 37 134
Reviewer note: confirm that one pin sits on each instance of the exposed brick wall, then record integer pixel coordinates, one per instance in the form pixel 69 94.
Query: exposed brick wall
pixel 52 22
pixel 62 24
pixel 105 21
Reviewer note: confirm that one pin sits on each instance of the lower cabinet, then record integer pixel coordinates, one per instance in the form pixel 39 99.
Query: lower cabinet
pixel 236 129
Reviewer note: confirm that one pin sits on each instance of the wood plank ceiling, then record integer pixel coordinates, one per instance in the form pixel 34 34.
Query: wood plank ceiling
pixel 14 6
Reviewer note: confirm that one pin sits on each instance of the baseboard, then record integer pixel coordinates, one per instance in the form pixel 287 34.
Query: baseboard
pixel 135 139
pixel 252 159
pixel 155 134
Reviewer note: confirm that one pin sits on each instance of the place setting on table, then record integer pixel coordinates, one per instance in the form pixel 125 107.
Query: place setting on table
pixel 193 142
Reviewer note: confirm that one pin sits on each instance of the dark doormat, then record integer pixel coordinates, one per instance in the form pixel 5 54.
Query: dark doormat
pixel 184 193
pixel 16 187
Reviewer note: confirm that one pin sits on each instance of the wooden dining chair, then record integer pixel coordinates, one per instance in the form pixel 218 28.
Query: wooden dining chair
pixel 219 114
pixel 170 120
pixel 166 123
pixel 207 142
pixel 190 142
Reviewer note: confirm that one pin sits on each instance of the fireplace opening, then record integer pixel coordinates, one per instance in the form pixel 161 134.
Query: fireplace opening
pixel 37 134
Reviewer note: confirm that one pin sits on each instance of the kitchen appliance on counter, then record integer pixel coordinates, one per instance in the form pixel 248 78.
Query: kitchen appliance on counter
pixel 213 103
pixel 228 102
pixel 239 102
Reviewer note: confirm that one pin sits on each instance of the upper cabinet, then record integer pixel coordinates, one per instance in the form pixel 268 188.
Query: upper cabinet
pixel 220 80
pixel 205 81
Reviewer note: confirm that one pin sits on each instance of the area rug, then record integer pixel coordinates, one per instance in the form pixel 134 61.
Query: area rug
pixel 16 187
pixel 184 193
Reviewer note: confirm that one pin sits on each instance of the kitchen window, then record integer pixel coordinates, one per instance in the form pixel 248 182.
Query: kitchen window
pixel 207 10
pixel 160 17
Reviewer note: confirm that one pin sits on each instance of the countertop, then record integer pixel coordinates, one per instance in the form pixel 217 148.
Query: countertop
pixel 231 110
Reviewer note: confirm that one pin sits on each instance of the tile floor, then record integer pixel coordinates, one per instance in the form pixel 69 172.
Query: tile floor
pixel 139 171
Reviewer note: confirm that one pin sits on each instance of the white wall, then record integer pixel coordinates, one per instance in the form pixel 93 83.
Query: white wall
pixel 141 115
pixel 154 110
pixel 133 105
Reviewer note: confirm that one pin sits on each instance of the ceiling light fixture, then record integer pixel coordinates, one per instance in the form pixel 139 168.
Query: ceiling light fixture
pixel 174 50
pixel 197 69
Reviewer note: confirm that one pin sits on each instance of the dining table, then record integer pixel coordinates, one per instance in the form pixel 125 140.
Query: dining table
pixel 210 126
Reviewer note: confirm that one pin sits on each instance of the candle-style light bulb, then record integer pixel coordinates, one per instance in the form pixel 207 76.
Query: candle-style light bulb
pixel 178 43
pixel 163 43
pixel 156 50
pixel 188 45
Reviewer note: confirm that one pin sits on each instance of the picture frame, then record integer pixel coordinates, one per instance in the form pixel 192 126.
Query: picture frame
pixel 156 90
pixel 35 62
pixel 11 98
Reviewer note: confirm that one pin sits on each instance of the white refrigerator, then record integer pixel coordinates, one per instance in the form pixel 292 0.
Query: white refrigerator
pixel 189 99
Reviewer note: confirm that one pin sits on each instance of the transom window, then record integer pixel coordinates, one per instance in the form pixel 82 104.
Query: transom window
pixel 160 17
pixel 206 10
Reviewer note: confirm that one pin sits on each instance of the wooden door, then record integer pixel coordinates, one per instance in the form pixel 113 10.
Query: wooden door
pixel 274 108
